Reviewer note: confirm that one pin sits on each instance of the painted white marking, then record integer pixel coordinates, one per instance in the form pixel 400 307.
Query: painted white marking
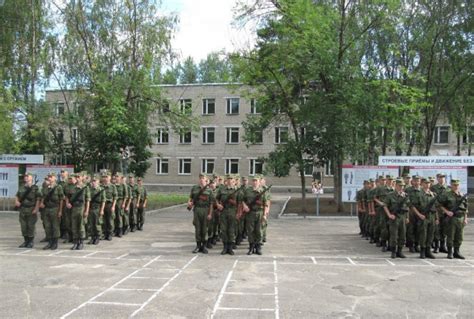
pixel 150 262
pixel 163 287
pixel 105 291
pixel 114 303
pixel 134 289
pixel 351 261
pixel 57 253
pixel 223 289
pixel 428 262
pixel 91 254
pixel 158 278
pixel 121 256
pixel 391 263
pixel 24 252
pixel 277 302
pixel 248 293
pixel 314 260
pixel 246 309
pixel 291 263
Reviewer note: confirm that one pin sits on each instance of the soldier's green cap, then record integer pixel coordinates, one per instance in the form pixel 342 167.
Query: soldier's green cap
pixel 75 175
pixel 431 178
pixel 416 177
pixel 202 175
pixel 257 176
pixel 84 173
pixel 426 180
pixel 381 177
pixel 371 180
pixel 118 174
pixel 440 175
pixel 139 178
pixel 63 170
pixel 400 182
pixel 244 178
pixel 236 176
pixel 388 177
pixel 455 182
pixel 105 174
pixel 95 178
pixel 406 175
pixel 28 173
pixel 366 181
pixel 130 175
pixel 228 176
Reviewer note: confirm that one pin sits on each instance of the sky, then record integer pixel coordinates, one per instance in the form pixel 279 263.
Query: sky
pixel 206 26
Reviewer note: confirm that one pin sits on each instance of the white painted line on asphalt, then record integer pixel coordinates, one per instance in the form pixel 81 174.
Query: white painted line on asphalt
pixel 351 261
pixel 105 291
pixel 390 262
pixel 121 256
pixel 247 309
pixel 257 262
pixel 163 287
pixel 91 254
pixel 292 263
pixel 223 289
pixel 114 303
pixel 157 278
pixel 248 293
pixel 24 252
pixel 134 289
pixel 57 253
pixel 150 262
pixel 428 262
pixel 277 302
pixel 314 260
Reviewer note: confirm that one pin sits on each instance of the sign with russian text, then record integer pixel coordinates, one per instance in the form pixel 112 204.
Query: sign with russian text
pixel 427 160
pixel 21 159
pixel 8 180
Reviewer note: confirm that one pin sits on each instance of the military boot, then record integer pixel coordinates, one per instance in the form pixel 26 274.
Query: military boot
pixel 209 243
pixel 48 246
pixel 96 240
pixel 90 242
pixel 44 240
pixel 258 249
pixel 229 249
pixel 394 252
pixel 198 247
pixel 23 245
pixel 442 246
pixel 140 227
pixel 214 240
pixel 457 254
pixel 132 228
pixel 250 252
pixel 400 253
pixel 54 245
pixel 411 247
pixel 119 232
pixel 224 250
pixel 428 253
pixel 239 240
pixel 450 253
pixel 417 248
pixel 74 247
pixel 423 253
pixel 372 240
pixel 203 248
pixel 30 242
pixel 436 246
pixel 384 246
pixel 80 245
pixel 378 243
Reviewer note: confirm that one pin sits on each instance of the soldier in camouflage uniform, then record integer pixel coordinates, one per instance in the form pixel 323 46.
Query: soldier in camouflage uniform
pixel 110 201
pixel 132 212
pixel 211 226
pixel 79 205
pixel 201 201
pixel 96 211
pixel 27 201
pixel 142 199
pixel 413 193
pixel 119 203
pixel 63 182
pixel 126 206
pixel 454 206
pixel 266 212
pixel 361 207
pixel 52 203
pixel 396 206
pixel 381 194
pixel 372 211
pixel 41 209
pixel 67 190
pixel 440 229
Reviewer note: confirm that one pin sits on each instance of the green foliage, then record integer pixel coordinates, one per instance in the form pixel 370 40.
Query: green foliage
pixel 189 71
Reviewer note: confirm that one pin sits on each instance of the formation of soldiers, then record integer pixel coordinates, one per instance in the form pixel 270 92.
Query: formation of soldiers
pixel 231 210
pixel 423 214
pixel 81 206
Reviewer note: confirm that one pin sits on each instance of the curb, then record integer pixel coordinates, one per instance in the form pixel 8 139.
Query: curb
pixel 164 208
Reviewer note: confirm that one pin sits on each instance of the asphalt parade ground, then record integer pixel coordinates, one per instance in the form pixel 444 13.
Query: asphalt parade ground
pixel 310 268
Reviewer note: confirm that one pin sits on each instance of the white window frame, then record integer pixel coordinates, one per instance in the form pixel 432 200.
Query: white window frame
pixel 186 106
pixel 181 165
pixel 205 106
pixel 252 166
pixel 228 165
pixel 307 165
pixel 254 107
pixel 328 169
pixel 63 104
pixel 229 131
pixel 204 165
pixel 229 105
pixel 437 134
pixel 60 132
pixel 162 131
pixel 205 136
pixel 182 138
pixel 278 134
pixel 75 135
pixel 159 166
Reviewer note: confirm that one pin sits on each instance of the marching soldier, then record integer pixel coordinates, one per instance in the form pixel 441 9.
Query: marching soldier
pixel 126 206
pixel 383 225
pixel 63 182
pixel 79 205
pixel 41 209
pixel 27 201
pixel 266 211
pixel 132 212
pixel 440 229
pixel 361 207
pixel 201 202
pixel 425 209
pixel 211 227
pixel 141 203
pixel 413 193
pixel 119 207
pixel 96 212
pixel 109 210
pixel 52 203
pixel 396 206
pixel 454 206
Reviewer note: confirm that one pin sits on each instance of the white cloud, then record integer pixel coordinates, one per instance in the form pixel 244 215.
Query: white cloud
pixel 206 26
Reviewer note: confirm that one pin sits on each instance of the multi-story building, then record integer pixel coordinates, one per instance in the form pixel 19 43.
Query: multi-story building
pixel 219 147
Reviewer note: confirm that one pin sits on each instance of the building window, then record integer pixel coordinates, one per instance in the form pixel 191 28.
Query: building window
pixel 208 166
pixel 75 135
pixel 208 135
pixel 468 137
pixel 60 108
pixel 233 105
pixel 185 137
pixel 164 107
pixel 281 135
pixel 256 167
pixel 232 135
pixel 186 106
pixel 184 166
pixel 441 135
pixel 209 106
pixel 60 135
pixel 79 109
pixel 232 166
pixel 162 136
pixel 254 107
pixel 328 169
pixel 162 165
pixel 308 168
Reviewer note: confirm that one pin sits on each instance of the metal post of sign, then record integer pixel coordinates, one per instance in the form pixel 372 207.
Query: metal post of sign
pixel 317 203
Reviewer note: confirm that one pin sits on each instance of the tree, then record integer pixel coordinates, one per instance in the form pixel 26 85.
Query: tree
pixel 215 69
pixel 189 71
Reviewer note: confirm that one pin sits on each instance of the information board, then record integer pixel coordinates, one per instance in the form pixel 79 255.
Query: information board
pixel 8 180
pixel 451 172
pixel 41 171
